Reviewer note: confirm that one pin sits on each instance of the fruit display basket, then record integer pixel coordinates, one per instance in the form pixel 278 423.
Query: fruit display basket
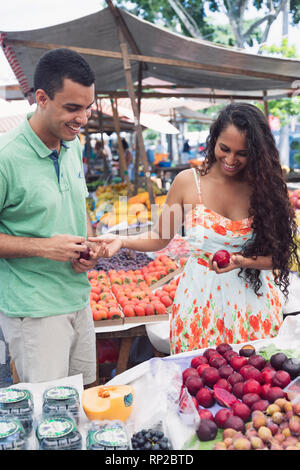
pixel 225 397
pixel 135 295
pixel 243 399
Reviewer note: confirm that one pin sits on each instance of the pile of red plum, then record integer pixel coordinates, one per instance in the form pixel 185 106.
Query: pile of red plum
pixel 240 382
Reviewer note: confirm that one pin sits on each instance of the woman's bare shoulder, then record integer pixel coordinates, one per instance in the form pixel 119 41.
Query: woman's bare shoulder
pixel 185 176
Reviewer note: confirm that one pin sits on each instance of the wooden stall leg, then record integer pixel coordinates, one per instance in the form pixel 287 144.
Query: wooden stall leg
pixel 124 351
pixel 14 373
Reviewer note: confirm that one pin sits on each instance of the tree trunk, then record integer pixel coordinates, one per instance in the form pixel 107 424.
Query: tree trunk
pixel 185 18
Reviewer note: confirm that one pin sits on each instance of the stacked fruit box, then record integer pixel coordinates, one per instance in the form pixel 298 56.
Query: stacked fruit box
pixel 138 292
pixel 105 308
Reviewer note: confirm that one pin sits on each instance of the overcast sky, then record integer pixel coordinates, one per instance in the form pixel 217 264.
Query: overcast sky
pixel 21 15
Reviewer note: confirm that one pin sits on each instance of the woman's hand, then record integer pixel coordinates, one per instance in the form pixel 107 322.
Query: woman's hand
pixel 237 261
pixel 108 246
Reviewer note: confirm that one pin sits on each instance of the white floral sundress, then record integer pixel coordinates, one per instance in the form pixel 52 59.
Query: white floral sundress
pixel 211 308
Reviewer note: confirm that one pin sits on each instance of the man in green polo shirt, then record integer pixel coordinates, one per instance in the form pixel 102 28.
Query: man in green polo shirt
pixel 44 290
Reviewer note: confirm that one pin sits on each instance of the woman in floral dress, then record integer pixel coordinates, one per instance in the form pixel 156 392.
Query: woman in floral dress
pixel 237 201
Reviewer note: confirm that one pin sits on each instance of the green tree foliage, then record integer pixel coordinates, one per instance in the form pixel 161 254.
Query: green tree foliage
pixel 284 108
pixel 194 17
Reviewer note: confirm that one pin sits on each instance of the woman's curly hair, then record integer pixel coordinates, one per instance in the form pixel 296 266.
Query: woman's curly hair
pixel 274 226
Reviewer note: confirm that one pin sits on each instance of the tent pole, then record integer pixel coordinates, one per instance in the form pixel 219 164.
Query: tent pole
pixel 124 173
pixel 137 151
pixel 123 33
pixel 176 137
pixel 142 150
pixel 100 120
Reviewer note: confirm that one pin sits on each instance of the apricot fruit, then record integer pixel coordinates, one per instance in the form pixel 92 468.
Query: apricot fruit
pixel 220 446
pixel 265 433
pixel 242 443
pixel 256 442
pixel 228 433
pixel 277 417
pixel 272 409
pixel 259 420
pixel 294 425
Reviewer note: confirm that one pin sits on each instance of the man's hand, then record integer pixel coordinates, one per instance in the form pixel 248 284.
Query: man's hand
pixel 81 265
pixel 237 261
pixel 63 247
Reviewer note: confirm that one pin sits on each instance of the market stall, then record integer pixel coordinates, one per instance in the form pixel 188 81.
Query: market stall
pixel 159 405
pixel 133 49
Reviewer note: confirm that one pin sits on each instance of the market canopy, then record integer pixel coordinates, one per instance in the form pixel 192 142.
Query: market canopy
pixel 186 62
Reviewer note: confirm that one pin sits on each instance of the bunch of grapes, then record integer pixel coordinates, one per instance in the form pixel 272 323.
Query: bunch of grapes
pixel 150 439
pixel 125 259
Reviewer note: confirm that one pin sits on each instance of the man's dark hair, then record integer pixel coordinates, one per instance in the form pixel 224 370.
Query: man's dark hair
pixel 56 65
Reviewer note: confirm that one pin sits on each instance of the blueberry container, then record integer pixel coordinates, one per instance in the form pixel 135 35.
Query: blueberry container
pixel 58 433
pixel 107 435
pixel 17 403
pixel 12 434
pixel 61 400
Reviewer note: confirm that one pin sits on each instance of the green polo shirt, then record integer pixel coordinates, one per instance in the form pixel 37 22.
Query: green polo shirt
pixel 37 202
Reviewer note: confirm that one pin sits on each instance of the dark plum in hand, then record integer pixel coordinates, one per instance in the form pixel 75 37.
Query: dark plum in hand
pixel 85 254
